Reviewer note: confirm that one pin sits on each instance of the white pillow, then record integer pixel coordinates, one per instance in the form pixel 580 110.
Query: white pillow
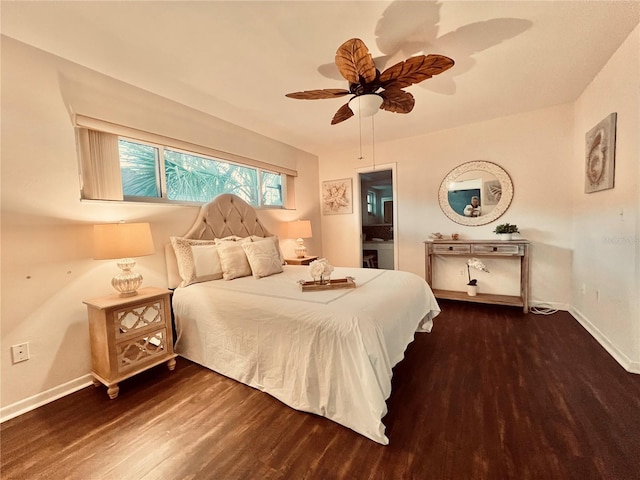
pixel 206 261
pixel 276 242
pixel 233 260
pixel 198 260
pixel 263 257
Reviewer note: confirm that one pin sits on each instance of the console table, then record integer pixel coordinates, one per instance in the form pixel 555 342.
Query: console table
pixel 481 248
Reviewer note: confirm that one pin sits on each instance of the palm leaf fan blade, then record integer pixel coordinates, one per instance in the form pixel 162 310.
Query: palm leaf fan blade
pixel 318 94
pixel 397 101
pixel 343 113
pixel 414 70
pixel 355 62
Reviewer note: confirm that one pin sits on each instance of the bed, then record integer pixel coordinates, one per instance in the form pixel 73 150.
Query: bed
pixel 327 352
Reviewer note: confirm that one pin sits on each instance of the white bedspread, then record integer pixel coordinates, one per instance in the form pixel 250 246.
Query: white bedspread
pixel 329 353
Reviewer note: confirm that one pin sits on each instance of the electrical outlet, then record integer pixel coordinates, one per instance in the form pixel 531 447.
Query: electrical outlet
pixel 583 289
pixel 20 352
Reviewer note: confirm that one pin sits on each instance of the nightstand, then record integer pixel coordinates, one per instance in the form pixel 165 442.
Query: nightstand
pixel 129 335
pixel 301 261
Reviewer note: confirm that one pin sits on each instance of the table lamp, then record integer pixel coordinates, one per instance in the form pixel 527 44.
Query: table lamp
pixel 123 241
pixel 299 229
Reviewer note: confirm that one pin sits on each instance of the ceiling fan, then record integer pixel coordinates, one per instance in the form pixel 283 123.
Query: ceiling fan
pixel 385 89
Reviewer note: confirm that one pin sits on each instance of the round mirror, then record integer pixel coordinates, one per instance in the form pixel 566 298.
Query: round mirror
pixel 475 193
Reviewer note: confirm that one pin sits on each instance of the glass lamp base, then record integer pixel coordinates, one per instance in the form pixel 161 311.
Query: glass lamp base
pixel 300 250
pixel 127 282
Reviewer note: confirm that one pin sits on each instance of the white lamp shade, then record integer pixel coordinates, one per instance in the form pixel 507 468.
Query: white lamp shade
pixel 122 240
pixel 298 229
pixel 365 105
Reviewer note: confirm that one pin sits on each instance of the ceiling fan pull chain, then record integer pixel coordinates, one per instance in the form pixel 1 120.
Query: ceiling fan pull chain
pixel 373 143
pixel 360 129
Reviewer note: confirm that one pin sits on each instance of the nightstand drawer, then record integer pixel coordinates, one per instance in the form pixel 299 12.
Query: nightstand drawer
pixel 136 351
pixel 499 249
pixel 443 248
pixel 138 318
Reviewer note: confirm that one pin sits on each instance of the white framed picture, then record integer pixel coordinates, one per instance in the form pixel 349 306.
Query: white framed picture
pixel 337 197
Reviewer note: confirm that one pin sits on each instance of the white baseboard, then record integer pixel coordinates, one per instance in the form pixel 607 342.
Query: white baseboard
pixel 48 396
pixel 626 363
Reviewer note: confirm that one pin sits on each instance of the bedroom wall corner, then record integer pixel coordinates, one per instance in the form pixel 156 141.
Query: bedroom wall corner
pixel 606 224
pixel 307 207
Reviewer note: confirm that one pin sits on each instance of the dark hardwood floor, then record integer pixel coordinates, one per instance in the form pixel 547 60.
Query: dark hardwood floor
pixel 491 393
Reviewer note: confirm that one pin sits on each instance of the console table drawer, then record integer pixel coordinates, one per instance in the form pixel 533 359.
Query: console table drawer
pixel 499 249
pixel 443 248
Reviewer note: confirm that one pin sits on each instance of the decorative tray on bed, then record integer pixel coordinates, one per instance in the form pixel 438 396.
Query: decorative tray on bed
pixel 313 286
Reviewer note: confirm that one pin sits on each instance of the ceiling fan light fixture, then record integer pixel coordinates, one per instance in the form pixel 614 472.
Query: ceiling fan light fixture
pixel 356 65
pixel 365 105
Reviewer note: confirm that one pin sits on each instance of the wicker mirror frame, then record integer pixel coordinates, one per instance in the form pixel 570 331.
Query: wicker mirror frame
pixel 503 204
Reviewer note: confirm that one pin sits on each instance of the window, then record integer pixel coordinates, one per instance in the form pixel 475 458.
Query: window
pixel 371 202
pixel 194 178
pixel 271 189
pixel 155 171
pixel 116 167
pixel 138 169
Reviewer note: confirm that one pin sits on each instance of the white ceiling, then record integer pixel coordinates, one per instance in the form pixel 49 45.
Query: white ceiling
pixel 236 60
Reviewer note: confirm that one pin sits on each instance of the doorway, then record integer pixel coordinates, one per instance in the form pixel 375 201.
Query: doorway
pixel 377 222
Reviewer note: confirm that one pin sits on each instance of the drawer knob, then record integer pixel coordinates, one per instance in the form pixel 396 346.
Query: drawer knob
pixel 450 248
pixel 495 249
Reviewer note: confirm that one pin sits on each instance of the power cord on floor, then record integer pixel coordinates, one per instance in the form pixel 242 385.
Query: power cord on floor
pixel 543 310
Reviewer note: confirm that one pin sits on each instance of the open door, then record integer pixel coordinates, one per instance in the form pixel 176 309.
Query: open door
pixel 377 221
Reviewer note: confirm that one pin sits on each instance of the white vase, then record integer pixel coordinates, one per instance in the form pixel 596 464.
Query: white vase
pixel 505 236
pixel 472 290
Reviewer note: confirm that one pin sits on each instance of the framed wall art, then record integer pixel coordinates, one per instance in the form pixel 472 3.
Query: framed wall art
pixel 337 197
pixel 492 192
pixel 600 155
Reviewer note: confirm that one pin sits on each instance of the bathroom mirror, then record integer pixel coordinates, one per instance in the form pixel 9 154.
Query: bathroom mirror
pixel 475 193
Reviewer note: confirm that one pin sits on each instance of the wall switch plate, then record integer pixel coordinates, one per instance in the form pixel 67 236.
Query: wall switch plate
pixel 20 352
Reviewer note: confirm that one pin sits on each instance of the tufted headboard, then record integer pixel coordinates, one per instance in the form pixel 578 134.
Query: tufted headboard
pixel 225 215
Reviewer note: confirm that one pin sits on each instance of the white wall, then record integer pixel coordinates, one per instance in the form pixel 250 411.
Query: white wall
pixel 606 224
pixel 534 148
pixel 47 268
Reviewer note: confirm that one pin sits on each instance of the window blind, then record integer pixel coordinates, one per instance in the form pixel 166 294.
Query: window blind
pixel 99 165
pixel 85 122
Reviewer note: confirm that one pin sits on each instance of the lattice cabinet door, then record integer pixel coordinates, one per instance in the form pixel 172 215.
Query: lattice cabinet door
pixel 129 335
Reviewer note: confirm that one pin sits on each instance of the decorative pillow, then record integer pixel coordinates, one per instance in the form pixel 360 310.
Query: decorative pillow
pixel 263 257
pixel 198 260
pixel 276 242
pixel 233 260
